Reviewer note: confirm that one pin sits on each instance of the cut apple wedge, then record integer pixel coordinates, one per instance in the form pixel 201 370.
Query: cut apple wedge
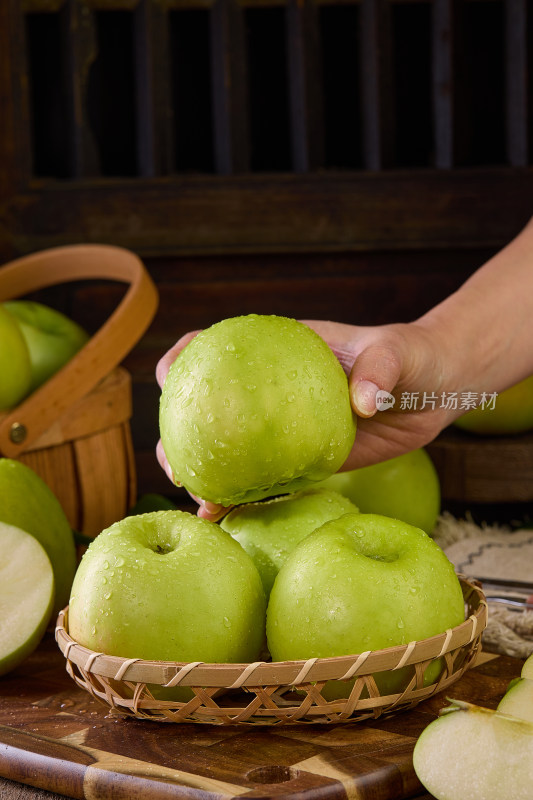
pixel 26 595
pixel 475 753
pixel 527 669
pixel 518 700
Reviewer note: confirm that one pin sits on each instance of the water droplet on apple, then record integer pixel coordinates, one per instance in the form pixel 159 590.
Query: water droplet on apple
pixel 105 565
pixel 227 402
pixel 119 562
pixel 292 375
pixel 190 471
pixel 251 387
pixel 230 347
pixel 107 595
pixel 291 397
pixel 187 401
pixel 227 623
pixel 400 623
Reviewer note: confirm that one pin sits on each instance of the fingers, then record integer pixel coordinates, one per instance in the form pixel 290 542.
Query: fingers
pixel 377 367
pixel 170 356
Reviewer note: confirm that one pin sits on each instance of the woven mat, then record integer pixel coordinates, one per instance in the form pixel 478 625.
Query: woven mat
pixel 493 551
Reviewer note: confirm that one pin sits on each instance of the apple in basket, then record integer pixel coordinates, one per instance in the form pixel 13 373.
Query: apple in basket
pixel 51 337
pixel 362 582
pixel 255 406
pixel 14 363
pixel 268 530
pixel 406 487
pixel 168 586
pixel 26 595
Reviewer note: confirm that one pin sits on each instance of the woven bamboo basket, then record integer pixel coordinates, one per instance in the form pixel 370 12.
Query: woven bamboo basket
pixel 268 693
pixel 74 430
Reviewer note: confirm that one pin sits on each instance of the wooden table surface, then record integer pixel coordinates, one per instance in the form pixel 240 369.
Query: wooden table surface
pixel 55 736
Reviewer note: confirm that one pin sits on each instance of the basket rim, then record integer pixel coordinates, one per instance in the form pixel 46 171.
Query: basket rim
pixel 275 673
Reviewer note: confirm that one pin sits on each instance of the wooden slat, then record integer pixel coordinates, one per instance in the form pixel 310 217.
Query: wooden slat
pixel 229 88
pixel 378 123
pixel 276 213
pixel 305 90
pixel 516 83
pixel 81 49
pixel 443 82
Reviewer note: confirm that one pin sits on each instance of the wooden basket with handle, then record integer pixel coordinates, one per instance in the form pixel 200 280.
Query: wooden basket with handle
pixel 74 429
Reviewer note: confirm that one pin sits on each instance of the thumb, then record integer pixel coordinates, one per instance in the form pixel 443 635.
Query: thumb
pixel 376 368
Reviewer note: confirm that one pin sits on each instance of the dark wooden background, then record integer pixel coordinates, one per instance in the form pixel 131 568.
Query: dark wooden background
pixel 353 159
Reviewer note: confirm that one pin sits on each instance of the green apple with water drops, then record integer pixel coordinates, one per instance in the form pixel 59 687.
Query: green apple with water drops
pixel 26 595
pixel 27 502
pixel 255 406
pixel 476 753
pixel 270 529
pixel 362 582
pixel 406 487
pixel 168 586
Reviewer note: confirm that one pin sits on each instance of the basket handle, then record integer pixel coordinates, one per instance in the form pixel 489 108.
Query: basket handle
pixel 102 353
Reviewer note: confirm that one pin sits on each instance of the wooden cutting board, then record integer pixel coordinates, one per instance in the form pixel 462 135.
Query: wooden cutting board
pixel 56 737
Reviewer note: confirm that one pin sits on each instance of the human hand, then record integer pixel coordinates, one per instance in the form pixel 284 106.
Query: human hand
pixel 394 358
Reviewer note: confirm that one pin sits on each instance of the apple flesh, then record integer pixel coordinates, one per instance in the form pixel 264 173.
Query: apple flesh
pixel 168 586
pixel 475 753
pixel 512 413
pixel 14 363
pixel 27 502
pixel 52 338
pixel 406 487
pixel 269 530
pixel 253 407
pixel 26 595
pixel 362 582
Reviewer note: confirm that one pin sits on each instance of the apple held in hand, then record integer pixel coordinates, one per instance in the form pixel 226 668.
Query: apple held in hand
pixel 26 595
pixel 168 586
pixel 27 502
pixel 270 529
pixel 255 406
pixel 362 582
pixel 406 487
pixel 51 337
pixel 512 413
pixel 475 753
pixel 15 373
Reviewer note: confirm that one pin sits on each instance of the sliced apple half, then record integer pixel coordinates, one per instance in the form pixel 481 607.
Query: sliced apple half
pixel 518 700
pixel 26 595
pixel 475 753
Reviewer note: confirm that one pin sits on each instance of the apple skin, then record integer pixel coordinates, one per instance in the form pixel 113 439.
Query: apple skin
pixel 27 502
pixel 362 582
pixel 406 487
pixel 253 407
pixel 51 337
pixel 518 700
pixel 512 413
pixel 476 753
pixel 26 595
pixel 527 669
pixel 270 529
pixel 14 362
pixel 168 586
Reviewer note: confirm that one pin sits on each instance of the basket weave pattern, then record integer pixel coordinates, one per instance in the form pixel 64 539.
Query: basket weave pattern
pixel 267 693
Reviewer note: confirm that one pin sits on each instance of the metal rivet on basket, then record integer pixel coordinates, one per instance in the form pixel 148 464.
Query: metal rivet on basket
pixel 18 433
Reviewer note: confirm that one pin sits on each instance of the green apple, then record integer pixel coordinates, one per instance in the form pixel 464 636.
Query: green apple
pixel 362 582
pixel 253 407
pixel 51 337
pixel 27 502
pixel 512 413
pixel 14 362
pixel 270 529
pixel 527 669
pixel 406 487
pixel 475 753
pixel 26 595
pixel 168 586
pixel 518 700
